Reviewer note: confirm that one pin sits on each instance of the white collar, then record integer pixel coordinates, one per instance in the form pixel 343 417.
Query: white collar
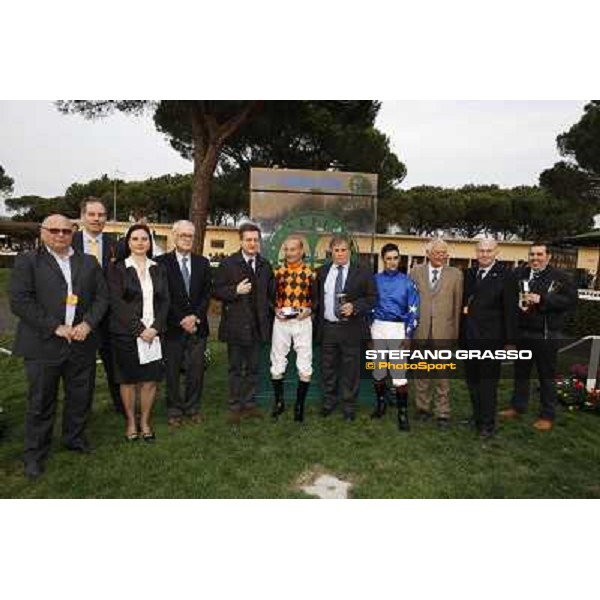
pixel 180 256
pixel 58 256
pixel 130 263
pixel 90 237
pixel 247 257
pixel 438 269
pixel 486 270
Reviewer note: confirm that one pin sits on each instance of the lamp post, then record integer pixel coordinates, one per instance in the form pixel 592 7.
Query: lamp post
pixel 117 172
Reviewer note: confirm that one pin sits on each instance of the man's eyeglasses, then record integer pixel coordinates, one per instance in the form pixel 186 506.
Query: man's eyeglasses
pixel 58 231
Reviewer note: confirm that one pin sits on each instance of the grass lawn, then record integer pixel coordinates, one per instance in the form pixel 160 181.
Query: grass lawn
pixel 265 459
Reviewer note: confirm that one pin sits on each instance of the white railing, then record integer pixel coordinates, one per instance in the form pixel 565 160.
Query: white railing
pixel 589 294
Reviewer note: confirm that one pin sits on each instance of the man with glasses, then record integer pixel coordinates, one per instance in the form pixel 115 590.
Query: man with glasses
pixel 92 240
pixel 440 290
pixel 60 297
pixel 190 285
pixel 395 318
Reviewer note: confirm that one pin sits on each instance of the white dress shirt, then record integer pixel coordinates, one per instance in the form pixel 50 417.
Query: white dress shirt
pixel 147 289
pixel 431 269
pixel 64 264
pixel 330 299
pixel 87 239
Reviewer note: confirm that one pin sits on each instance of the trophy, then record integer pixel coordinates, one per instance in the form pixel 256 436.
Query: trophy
pixel 290 312
pixel 523 291
pixel 340 300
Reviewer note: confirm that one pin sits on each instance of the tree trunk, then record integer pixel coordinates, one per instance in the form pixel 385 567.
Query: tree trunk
pixel 209 137
pixel 205 162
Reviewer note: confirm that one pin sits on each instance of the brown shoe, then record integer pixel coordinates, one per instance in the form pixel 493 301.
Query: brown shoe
pixel 510 413
pixel 253 412
pixel 543 425
pixel 234 417
pixel 196 419
pixel 174 422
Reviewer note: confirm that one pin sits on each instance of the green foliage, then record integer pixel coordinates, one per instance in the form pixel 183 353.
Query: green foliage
pixel 523 212
pixel 582 141
pixel 6 183
pixel 265 459
pixel 584 320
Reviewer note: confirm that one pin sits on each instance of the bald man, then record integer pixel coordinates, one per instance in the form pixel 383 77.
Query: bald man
pixel 60 297
pixel 490 300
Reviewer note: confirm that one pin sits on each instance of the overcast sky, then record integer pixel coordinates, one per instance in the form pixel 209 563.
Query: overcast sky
pixel 445 143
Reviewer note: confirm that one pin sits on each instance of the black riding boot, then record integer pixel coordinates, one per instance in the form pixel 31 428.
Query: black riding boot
pixel 279 405
pixel 301 392
pixel 379 409
pixel 402 402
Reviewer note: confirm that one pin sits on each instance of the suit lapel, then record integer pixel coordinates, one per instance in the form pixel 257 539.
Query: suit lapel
pixel 76 263
pixel 53 264
pixel 352 271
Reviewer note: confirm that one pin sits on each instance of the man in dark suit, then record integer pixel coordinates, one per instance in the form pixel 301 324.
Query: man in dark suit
pixel 244 283
pixel 345 295
pixel 489 322
pixel 92 240
pixel 187 328
pixel 546 296
pixel 60 297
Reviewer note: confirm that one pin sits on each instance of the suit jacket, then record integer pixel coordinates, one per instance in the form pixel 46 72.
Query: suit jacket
pixel 440 308
pixel 360 290
pixel 558 296
pixel 109 248
pixel 247 318
pixel 183 304
pixel 490 306
pixel 38 291
pixel 126 300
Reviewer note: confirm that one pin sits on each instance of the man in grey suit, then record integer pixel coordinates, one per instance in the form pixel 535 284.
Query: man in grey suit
pixel 440 289
pixel 60 297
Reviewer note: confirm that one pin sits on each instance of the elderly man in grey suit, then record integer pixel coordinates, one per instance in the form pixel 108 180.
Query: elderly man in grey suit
pixel 440 289
pixel 60 297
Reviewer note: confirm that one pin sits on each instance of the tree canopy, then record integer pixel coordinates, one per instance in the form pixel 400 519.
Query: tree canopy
pixel 226 137
pixel 6 183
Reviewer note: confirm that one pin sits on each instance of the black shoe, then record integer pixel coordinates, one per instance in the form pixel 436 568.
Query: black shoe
pixel 349 417
pixel 278 409
pixel 486 433
pixel 33 470
pixel 443 422
pixel 403 424
pixel 83 447
pixel 149 436
pixel 424 415
pixel 326 412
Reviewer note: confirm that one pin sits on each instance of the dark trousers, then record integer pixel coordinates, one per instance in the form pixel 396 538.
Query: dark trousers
pixel 544 356
pixel 243 374
pixel 78 376
pixel 106 356
pixel 184 353
pixel 482 380
pixel 340 368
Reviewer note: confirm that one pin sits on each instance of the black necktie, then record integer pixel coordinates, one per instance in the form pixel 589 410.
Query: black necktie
pixel 480 275
pixel 339 287
pixel 435 276
pixel 251 264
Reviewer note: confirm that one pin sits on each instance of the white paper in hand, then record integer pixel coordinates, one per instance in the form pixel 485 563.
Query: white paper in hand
pixel 148 353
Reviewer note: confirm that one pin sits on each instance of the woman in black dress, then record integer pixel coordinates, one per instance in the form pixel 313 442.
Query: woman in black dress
pixel 139 299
